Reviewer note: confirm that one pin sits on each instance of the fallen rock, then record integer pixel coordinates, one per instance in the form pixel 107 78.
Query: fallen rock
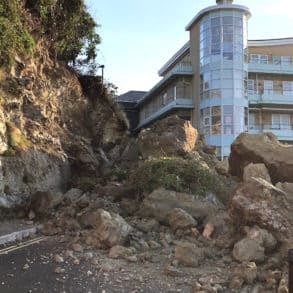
pixel 257 171
pixel 167 137
pixel 88 219
pixel 188 254
pixel 119 251
pixel 73 194
pixel 161 202
pixel 31 215
pixel 172 271
pixel 77 247
pixel 262 148
pixel 59 270
pixel 117 190
pixel 58 258
pixel 110 228
pixel 42 202
pixel 249 250
pixel 208 231
pixel 180 219
pixel 26 267
pixel 263 237
pixel 147 225
pixel 32 171
pixel 129 206
pixel 254 205
pixel 244 272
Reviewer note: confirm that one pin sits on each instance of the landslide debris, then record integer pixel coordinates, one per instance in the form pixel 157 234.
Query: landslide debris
pixel 195 239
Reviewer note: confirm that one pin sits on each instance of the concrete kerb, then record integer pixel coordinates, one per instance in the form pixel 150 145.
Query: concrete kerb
pixel 19 235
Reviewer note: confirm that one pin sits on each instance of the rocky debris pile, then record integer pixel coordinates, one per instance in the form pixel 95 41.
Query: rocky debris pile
pixel 171 136
pixel 261 207
pixel 183 215
pixel 262 148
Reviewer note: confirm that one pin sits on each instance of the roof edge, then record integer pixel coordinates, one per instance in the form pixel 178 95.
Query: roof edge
pixel 174 58
pixel 201 13
pixel 270 42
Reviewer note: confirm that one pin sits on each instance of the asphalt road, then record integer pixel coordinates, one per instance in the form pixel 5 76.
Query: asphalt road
pixel 32 269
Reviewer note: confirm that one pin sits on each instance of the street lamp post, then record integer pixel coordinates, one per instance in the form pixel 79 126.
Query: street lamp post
pixel 102 67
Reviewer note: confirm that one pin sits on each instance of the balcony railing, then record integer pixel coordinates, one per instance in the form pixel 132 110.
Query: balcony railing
pixel 181 68
pixel 270 68
pixel 282 131
pixel 271 99
pixel 184 68
pixel 175 104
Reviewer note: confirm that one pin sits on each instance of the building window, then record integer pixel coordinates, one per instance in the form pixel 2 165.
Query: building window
pixel 165 99
pixel 277 60
pixel 259 58
pixel 228 119
pixel 268 87
pixel 254 58
pixel 216 120
pixel 205 118
pixel 250 87
pixel 264 59
pixel 287 88
pixel 278 89
pixel 285 60
pixel 175 92
pixel 280 121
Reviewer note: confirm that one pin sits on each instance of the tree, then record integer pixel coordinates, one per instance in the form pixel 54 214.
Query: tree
pixel 69 27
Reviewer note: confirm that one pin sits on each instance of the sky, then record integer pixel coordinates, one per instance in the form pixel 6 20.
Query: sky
pixel 139 36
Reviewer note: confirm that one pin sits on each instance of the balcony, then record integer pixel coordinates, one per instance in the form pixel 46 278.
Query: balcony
pixel 270 68
pixel 278 99
pixel 283 132
pixel 181 69
pixel 175 104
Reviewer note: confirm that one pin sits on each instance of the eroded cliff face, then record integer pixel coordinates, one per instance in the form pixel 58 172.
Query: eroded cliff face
pixel 56 128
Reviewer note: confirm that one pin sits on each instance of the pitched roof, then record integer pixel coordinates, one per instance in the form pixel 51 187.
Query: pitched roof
pixel 131 96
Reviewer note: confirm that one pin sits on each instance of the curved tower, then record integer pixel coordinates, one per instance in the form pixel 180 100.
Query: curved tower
pixel 218 36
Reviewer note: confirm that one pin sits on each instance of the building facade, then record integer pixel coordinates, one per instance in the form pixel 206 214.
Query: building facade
pixel 224 83
pixel 128 103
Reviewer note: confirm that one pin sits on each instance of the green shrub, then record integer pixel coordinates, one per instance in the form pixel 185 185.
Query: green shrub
pixel 176 174
pixel 14 37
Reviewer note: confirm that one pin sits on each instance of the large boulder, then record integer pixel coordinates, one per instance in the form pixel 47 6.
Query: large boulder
pixel 168 137
pixel 33 170
pixel 262 204
pixel 180 219
pixel 262 148
pixel 189 254
pixel 254 245
pixel 256 171
pixel 161 202
pixel 249 250
pixel 110 229
pixel 252 204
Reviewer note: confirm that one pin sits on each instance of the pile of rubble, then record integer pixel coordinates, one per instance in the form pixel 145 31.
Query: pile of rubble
pixel 236 245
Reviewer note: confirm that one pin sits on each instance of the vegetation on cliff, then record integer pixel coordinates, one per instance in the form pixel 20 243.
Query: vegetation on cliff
pixel 65 25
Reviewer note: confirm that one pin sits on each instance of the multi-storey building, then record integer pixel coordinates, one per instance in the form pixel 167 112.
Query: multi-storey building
pixel 224 83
